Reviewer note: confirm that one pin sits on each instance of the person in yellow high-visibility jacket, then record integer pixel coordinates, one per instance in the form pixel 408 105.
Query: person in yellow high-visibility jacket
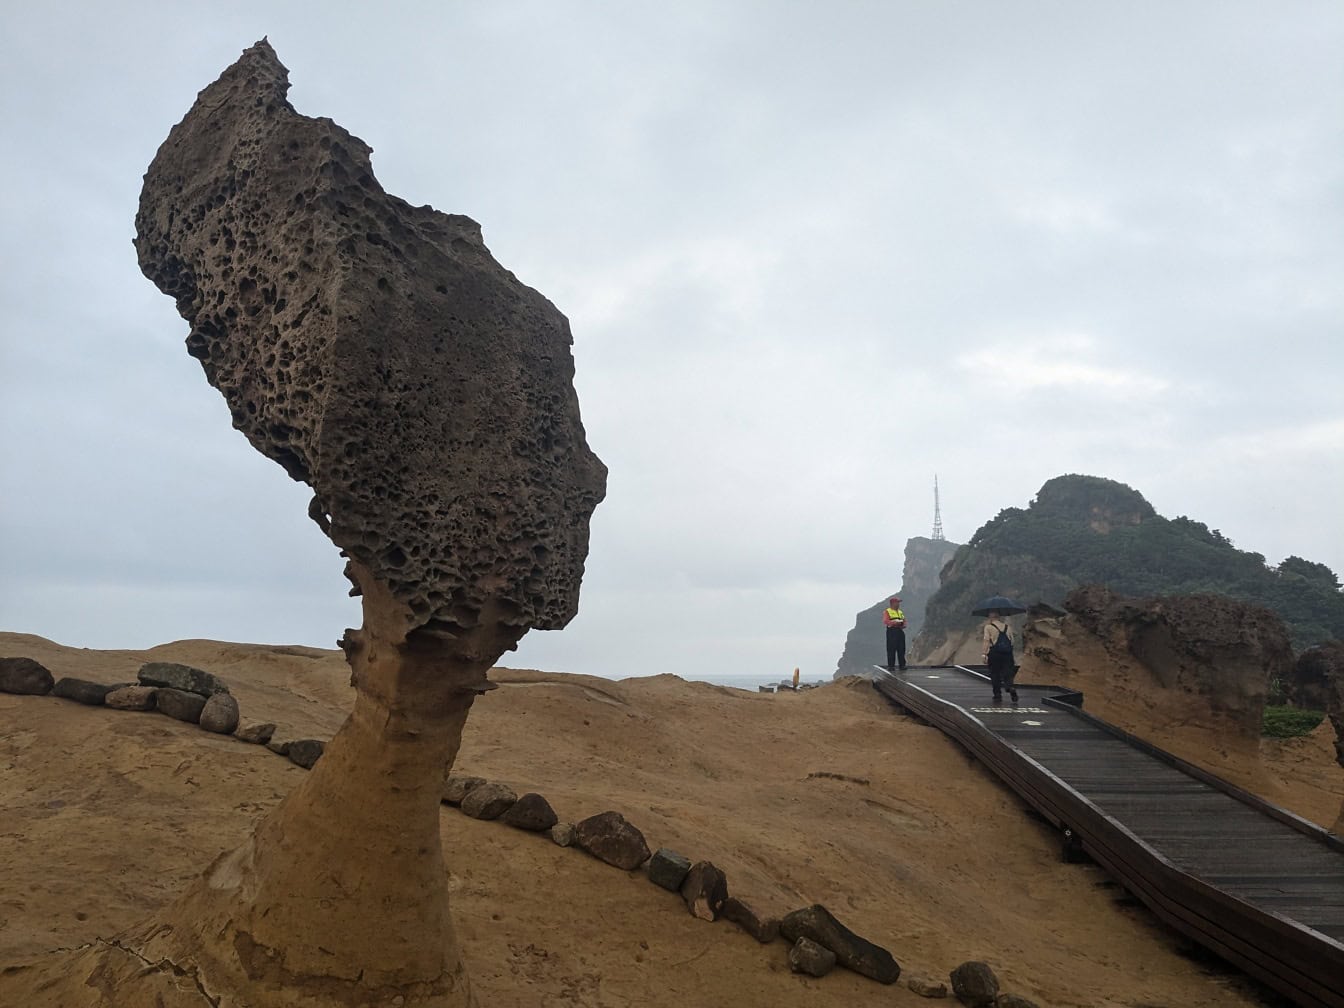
pixel 894 620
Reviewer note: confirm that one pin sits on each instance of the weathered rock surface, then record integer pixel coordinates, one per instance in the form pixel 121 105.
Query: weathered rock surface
pixel 305 752
pixel 1014 1001
pixel 925 987
pixel 257 734
pixel 610 838
pixel 744 915
pixel 1317 681
pixel 354 334
pixel 489 801
pixel 81 691
pixel 531 812
pixel 806 956
pixel 668 869
pixel 458 786
pixel 278 747
pixel 704 889
pixel 975 985
pixel 180 704
pixel 181 677
pixel 563 834
pixel 220 714
pixel 1188 659
pixel 855 953
pixel 132 698
pixel 24 675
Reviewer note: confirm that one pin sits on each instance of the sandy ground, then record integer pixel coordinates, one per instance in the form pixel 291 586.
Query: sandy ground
pixel 826 796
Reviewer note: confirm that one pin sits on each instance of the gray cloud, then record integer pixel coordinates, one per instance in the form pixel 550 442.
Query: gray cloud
pixel 811 256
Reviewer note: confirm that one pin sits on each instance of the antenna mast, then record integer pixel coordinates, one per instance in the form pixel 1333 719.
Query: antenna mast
pixel 937 514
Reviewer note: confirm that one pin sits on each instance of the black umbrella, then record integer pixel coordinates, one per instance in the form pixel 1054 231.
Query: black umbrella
pixel 997 603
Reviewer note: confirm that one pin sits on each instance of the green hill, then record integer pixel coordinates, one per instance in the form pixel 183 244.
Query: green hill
pixel 1088 530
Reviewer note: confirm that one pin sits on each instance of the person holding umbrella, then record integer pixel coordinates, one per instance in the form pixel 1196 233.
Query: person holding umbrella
pixel 997 642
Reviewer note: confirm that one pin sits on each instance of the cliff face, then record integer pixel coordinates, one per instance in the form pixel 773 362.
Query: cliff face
pixel 1083 530
pixel 865 646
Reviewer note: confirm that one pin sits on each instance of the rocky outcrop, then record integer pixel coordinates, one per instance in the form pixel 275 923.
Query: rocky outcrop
pixel 865 646
pixel 180 704
pixel 91 694
pixel 1183 659
pixel 1317 678
pixel 220 714
pixel 379 353
pixel 855 953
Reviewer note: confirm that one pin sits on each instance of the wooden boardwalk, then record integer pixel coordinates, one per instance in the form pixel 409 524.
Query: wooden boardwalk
pixel 1258 885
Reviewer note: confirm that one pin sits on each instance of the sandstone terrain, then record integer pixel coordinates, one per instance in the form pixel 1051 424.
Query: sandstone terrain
pixel 825 796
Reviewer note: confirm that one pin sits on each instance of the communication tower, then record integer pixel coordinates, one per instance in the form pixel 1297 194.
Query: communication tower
pixel 937 514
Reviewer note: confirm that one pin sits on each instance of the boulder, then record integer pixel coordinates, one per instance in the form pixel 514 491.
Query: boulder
pixel 220 714
pixel 132 698
pixel 975 984
pixel 81 691
pixel 458 786
pixel 610 838
pixel 181 677
pixel 744 915
pixel 489 801
pixel 257 734
pixel 25 676
pixel 180 704
pixel 1014 1001
pixel 563 834
pixel 855 953
pixel 806 956
pixel 305 752
pixel 668 869
pixel 278 747
pixel 531 812
pixel 704 889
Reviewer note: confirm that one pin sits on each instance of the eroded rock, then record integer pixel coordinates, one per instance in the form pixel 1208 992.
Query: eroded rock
pixel 806 956
pixel 704 889
pixel 975 984
pixel 531 812
pixel 379 353
pixel 220 714
pixel 668 869
pixel 489 801
pixel 132 698
pixel 180 704
pixel 744 915
pixel 82 691
pixel 305 752
pixel 458 786
pixel 256 734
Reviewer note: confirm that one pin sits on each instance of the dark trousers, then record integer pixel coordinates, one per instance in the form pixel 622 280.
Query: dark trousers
pixel 895 647
pixel 1001 673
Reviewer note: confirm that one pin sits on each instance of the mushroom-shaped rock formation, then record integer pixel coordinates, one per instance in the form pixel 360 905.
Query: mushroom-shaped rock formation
pixel 380 354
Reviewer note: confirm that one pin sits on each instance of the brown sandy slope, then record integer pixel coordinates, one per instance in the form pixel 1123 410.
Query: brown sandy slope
pixel 826 796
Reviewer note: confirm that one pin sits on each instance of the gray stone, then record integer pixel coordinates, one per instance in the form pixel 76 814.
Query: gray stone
pixel 704 889
pixel 25 676
pixel 975 984
pixel 806 956
pixel 179 704
pixel 1014 1001
pixel 925 987
pixel 220 714
pixel 427 397
pixel 458 786
pixel 132 698
pixel 277 747
pixel 305 752
pixel 668 869
pixel 81 691
pixel 608 837
pixel 489 801
pixel 744 915
pixel 853 952
pixel 181 677
pixel 257 734
pixel 563 834
pixel 531 812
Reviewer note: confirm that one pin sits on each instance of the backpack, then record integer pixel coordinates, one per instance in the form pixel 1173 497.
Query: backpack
pixel 1004 645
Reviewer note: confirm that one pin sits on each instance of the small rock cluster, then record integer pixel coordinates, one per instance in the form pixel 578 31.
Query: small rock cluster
pixel 818 942
pixel 179 691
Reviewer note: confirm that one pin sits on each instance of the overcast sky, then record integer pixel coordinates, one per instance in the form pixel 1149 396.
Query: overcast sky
pixel 812 254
